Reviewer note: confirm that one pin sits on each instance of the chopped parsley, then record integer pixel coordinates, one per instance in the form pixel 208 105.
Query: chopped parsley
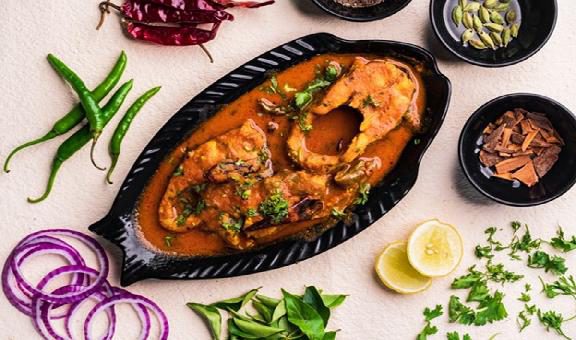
pixel 275 207
pixel 363 192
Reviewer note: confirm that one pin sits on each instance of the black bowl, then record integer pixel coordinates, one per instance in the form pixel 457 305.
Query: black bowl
pixel 376 12
pixel 555 183
pixel 538 22
pixel 120 225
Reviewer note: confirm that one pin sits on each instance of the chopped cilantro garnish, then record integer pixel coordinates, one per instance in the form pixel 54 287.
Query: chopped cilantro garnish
pixel 363 192
pixel 429 315
pixel 561 243
pixel 369 101
pixel 168 239
pixel 554 264
pixel 251 212
pixel 336 213
pixel 275 207
pixel 229 223
pixel 179 171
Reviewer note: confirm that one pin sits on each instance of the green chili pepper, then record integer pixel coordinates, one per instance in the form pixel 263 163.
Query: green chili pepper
pixel 76 115
pixel 93 112
pixel 122 128
pixel 82 137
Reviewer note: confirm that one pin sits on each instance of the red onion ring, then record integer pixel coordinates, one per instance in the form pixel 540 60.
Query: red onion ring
pixel 126 297
pixel 86 283
pixel 73 296
pixel 43 247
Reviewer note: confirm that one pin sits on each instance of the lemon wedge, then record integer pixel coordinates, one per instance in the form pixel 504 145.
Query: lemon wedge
pixel 435 248
pixel 396 273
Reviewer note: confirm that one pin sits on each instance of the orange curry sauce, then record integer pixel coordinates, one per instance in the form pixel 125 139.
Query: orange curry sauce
pixel 328 130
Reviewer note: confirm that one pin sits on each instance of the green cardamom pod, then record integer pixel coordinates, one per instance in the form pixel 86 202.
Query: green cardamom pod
pixel 484 14
pixel 511 17
pixel 477 44
pixel 494 27
pixel 497 18
pixel 457 14
pixel 472 7
pixel 477 23
pixel 462 3
pixel 506 37
pixel 490 3
pixel 485 37
pixel 514 30
pixel 468 21
pixel 467 35
pixel 502 7
pixel 497 38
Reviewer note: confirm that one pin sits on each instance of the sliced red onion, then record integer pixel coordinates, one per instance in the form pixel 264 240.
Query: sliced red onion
pixel 126 297
pixel 14 289
pixel 73 296
pixel 86 283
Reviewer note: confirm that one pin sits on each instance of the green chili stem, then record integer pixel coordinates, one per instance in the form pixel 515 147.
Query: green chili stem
pixel 94 114
pixel 82 137
pixel 76 115
pixel 122 128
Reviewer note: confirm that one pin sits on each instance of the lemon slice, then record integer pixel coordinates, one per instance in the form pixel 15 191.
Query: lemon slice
pixel 396 273
pixel 435 248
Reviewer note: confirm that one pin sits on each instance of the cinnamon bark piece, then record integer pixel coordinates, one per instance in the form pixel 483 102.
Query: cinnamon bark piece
pixel 512 164
pixel 527 174
pixel 546 160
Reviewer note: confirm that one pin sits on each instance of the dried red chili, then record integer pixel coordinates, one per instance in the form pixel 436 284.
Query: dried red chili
pixel 175 22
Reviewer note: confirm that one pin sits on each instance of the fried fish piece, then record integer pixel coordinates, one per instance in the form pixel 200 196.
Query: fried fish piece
pixel 383 91
pixel 227 157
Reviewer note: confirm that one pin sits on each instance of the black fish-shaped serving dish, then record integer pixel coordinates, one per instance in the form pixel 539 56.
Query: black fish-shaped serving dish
pixel 141 261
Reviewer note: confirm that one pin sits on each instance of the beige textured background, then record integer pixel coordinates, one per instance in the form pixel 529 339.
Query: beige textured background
pixel 32 97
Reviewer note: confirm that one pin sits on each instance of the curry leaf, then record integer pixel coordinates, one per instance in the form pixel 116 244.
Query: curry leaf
pixel 329 336
pixel 304 316
pixel 256 329
pixel 333 301
pixel 268 301
pixel 236 303
pixel 263 310
pixel 279 311
pixel 212 317
pixel 314 299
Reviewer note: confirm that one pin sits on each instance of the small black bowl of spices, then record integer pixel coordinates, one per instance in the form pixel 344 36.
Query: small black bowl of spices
pixel 520 149
pixel 361 10
pixel 493 33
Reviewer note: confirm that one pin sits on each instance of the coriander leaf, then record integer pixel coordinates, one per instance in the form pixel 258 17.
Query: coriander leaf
pixel 212 317
pixel 363 192
pixel 457 311
pixel 302 99
pixel 468 280
pixel 479 292
pixel 483 252
pixel 497 273
pixel 554 264
pixel 515 225
pixel 431 314
pixel 561 243
pixel 236 303
pixel 563 286
pixel 337 213
pixel 169 240
pixel 492 309
pixel 304 316
pixel 552 320
pixel 428 330
pixel 456 336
